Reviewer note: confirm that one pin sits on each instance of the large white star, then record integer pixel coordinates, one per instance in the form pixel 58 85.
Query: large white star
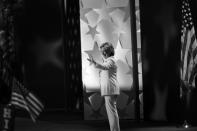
pixel 95 53
pixel 120 53
pixel 121 27
pixel 91 74
pixel 92 17
pixel 119 30
pixel 127 12
pixel 47 52
pixel 104 13
pixel 125 80
pixel 117 16
pixel 105 29
pixel 92 31
pixel 125 38
pixel 86 40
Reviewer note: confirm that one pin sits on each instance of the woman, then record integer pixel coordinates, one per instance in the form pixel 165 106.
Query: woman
pixel 109 84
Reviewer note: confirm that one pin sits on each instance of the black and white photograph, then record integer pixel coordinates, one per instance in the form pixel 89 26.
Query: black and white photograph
pixel 98 65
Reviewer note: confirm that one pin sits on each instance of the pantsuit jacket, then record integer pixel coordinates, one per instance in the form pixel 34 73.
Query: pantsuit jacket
pixel 108 77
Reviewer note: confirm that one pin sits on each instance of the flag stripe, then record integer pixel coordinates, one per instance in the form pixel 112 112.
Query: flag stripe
pixel 17 95
pixel 32 115
pixel 189 56
pixel 33 109
pixel 185 56
pixel 18 104
pixel 184 45
pixel 18 100
pixel 36 100
pixel 193 38
pixel 183 52
pixel 34 105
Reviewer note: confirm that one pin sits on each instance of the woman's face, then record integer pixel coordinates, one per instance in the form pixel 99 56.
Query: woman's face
pixel 103 53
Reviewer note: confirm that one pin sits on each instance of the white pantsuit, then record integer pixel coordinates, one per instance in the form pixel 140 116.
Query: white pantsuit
pixel 110 104
pixel 110 90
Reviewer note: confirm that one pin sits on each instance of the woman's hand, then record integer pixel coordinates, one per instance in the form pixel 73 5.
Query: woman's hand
pixel 91 60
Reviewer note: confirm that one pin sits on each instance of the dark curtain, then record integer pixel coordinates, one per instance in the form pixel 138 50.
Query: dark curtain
pixel 41 51
pixel 160 30
pixel 49 50
pixel 47 38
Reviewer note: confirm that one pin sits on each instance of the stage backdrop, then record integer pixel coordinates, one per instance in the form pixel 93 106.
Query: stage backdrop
pixel 108 21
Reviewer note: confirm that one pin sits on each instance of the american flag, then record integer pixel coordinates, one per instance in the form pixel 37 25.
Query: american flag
pixel 188 65
pixel 24 99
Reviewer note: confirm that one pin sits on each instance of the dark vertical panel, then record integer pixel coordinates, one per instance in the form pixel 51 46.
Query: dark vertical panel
pixel 72 47
pixel 42 48
pixel 160 29
pixel 135 59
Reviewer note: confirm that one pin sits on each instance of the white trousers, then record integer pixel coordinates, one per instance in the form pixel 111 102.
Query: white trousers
pixel 110 104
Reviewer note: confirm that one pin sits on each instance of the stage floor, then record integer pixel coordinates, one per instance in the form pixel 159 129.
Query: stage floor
pixel 24 124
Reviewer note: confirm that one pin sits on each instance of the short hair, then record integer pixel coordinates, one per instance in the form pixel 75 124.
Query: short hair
pixel 107 49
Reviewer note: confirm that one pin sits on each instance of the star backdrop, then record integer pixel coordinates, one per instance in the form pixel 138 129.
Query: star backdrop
pixel 102 21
